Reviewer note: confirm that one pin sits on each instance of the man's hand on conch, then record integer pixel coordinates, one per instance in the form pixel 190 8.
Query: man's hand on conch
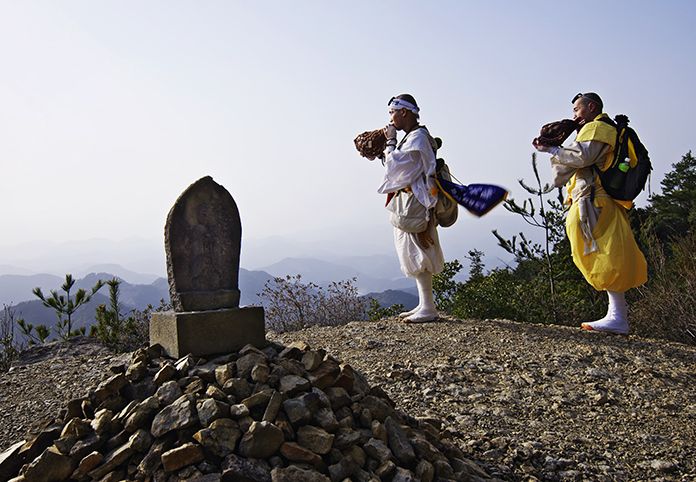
pixel 539 147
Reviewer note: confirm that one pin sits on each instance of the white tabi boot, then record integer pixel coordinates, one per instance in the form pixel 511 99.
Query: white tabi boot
pixel 426 307
pixel 616 320
pixel 406 314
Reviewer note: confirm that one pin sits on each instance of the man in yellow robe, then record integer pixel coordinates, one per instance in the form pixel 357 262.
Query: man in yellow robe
pixel 601 239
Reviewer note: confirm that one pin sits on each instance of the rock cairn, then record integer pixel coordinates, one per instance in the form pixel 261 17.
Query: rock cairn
pixel 281 413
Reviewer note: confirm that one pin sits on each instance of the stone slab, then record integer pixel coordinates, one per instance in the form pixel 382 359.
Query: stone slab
pixel 212 332
pixel 202 241
pixel 202 301
pixel 11 461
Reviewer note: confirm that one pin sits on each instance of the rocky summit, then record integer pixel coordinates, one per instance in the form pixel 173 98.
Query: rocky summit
pixel 386 401
pixel 279 413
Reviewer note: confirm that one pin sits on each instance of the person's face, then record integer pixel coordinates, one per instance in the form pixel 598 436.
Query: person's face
pixel 584 112
pixel 398 118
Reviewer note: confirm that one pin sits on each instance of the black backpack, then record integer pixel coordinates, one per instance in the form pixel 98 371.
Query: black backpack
pixel 621 181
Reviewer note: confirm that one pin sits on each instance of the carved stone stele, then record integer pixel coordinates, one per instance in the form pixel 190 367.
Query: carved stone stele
pixel 203 238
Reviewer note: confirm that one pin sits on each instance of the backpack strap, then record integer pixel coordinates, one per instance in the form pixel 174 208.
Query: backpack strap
pixel 607 120
pixel 617 146
pixel 433 143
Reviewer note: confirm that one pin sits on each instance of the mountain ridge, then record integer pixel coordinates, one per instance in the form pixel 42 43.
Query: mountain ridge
pixel 133 296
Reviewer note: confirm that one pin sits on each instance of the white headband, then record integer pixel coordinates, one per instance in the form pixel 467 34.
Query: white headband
pixel 403 104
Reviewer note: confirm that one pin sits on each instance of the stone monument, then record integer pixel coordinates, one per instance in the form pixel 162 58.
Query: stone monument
pixel 203 239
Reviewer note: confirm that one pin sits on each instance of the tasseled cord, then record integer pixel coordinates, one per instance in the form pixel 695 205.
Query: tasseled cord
pixel 585 229
pixel 425 239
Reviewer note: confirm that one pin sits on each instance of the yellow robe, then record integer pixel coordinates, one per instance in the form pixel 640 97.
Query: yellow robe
pixel 617 264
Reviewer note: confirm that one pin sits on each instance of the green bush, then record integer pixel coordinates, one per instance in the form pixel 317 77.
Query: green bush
pixel 123 333
pixel 64 305
pixel 375 312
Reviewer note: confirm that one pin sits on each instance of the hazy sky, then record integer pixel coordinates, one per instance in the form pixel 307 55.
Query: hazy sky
pixel 110 109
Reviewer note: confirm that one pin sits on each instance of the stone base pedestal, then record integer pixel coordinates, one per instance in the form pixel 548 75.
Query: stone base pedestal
pixel 208 332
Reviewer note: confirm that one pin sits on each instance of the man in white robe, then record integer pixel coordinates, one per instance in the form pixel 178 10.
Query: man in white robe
pixel 411 166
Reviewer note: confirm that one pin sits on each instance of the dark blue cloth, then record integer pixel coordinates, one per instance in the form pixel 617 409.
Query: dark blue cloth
pixel 477 198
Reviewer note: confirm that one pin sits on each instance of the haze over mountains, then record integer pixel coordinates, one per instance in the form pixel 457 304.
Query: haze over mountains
pixel 135 296
pixel 342 245
pixel 372 273
pixel 334 254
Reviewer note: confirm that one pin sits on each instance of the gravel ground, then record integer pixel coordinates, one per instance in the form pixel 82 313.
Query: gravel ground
pixel 532 401
pixel 528 402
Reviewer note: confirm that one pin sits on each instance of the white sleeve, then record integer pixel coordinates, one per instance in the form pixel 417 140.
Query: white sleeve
pixel 580 154
pixel 403 168
pixel 567 160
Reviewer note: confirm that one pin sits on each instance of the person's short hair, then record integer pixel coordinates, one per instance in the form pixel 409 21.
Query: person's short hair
pixel 407 98
pixel 407 102
pixel 589 97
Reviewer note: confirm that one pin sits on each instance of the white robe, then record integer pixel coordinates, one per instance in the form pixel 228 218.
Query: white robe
pixel 578 158
pixel 412 165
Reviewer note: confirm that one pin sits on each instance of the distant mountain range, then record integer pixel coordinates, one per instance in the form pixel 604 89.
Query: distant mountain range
pixel 365 253
pixel 372 273
pixel 131 296
pixel 134 296
pixel 396 297
pixel 375 273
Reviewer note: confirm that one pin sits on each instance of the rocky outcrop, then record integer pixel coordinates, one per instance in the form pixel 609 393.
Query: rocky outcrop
pixel 280 413
pixel 525 402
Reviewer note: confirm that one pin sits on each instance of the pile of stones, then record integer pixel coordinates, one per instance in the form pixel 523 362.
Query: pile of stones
pixel 280 413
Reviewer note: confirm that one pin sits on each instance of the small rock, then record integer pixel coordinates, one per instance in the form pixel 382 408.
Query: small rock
pixel 325 375
pixel 187 454
pixel 663 466
pixel 342 469
pixel 223 373
pixel 311 360
pixel 260 373
pixel 220 438
pixel 297 453
pixel 377 449
pixel 291 385
pixel 403 475
pixel 297 474
pixel 261 440
pixel 398 442
pixel 178 415
pixel 50 466
pixel 246 363
pixel 102 421
pixel 164 374
pixel 89 462
pixel 140 441
pixel 142 412
pixel 239 411
pixel 209 410
pixel 235 469
pixel 315 439
pixel 111 461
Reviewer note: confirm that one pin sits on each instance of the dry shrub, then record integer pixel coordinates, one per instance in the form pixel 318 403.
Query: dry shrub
pixel 9 345
pixel 291 305
pixel 666 305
